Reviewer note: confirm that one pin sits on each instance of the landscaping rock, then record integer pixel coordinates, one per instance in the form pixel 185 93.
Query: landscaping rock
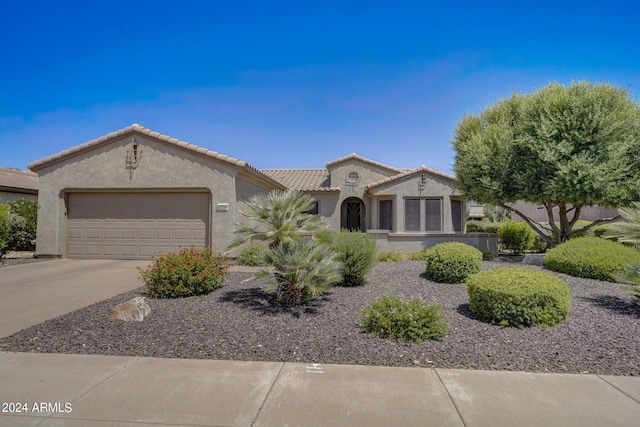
pixel 134 310
pixel 534 259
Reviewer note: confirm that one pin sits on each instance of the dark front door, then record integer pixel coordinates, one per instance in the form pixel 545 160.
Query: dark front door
pixel 353 215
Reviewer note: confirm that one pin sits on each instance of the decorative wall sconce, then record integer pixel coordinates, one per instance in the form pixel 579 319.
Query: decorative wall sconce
pixel 134 154
pixel 422 182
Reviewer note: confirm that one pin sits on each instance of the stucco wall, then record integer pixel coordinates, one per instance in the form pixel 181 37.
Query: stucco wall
pixel 368 174
pixel 405 242
pixel 108 167
pixel 398 190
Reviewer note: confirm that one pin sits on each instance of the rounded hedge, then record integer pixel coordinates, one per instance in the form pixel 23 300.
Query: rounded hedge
pixel 452 262
pixel 591 257
pixel 408 319
pixel 520 297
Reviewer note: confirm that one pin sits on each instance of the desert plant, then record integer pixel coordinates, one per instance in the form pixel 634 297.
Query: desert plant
pixel 519 297
pixel 277 217
pixel 391 256
pixel 408 319
pixel 627 231
pixel 254 255
pixel 452 262
pixel 591 257
pixel 357 253
pixel 300 271
pixel 516 236
pixel 187 273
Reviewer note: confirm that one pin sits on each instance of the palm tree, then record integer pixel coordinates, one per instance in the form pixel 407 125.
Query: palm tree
pixel 300 271
pixel 277 217
pixel 627 231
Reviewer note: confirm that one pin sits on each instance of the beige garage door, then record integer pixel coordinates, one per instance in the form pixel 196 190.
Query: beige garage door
pixel 135 225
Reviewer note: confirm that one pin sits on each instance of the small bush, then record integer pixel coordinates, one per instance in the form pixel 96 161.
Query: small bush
pixel 407 319
pixel 187 273
pixel 539 244
pixel 518 297
pixel 391 256
pixel 5 226
pixel 452 262
pixel 357 253
pixel 255 255
pixel 516 236
pixel 591 257
pixel 420 255
pixel 483 226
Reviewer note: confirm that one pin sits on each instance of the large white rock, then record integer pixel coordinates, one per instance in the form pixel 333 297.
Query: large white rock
pixel 133 310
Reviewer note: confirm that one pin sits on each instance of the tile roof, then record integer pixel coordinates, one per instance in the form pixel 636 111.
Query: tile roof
pixel 363 159
pixel 302 179
pixel 410 172
pixel 136 128
pixel 16 181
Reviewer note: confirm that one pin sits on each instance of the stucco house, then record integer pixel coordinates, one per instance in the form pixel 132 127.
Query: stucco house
pixel 17 184
pixel 136 192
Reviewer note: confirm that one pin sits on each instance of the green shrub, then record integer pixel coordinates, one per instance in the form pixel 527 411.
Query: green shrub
pixel 519 297
pixel 187 273
pixel 591 257
pixel 407 319
pixel 391 256
pixel 452 262
pixel 516 236
pixel 5 226
pixel 539 244
pixel 483 226
pixel 22 217
pixel 255 255
pixel 357 253
pixel 420 255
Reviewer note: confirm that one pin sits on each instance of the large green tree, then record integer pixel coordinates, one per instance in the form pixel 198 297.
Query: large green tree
pixel 561 146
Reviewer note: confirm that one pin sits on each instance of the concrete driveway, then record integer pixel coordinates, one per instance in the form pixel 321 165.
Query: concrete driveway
pixel 33 293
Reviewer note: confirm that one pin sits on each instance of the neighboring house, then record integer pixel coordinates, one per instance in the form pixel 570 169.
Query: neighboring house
pixel 538 213
pixel 17 184
pixel 135 192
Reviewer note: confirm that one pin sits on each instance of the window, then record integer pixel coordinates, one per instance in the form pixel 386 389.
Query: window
pixel 418 210
pixel 456 215
pixel 385 215
pixel 433 215
pixel 315 210
pixel 412 214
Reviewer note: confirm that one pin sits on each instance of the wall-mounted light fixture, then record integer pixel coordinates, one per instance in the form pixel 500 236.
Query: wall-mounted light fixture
pixel 422 182
pixel 134 154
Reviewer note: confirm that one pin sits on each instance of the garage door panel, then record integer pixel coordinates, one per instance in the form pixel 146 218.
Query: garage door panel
pixel 135 226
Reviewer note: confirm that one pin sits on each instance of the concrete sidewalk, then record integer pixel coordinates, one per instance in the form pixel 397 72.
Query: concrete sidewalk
pixel 81 390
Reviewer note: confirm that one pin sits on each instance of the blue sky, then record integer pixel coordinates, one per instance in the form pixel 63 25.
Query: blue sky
pixel 293 84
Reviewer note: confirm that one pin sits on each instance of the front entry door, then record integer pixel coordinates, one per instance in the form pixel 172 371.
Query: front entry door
pixel 353 215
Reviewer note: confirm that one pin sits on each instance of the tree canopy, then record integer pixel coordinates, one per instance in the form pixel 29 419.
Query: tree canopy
pixel 561 146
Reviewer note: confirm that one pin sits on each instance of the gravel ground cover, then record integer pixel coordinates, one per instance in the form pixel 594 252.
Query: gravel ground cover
pixel 19 257
pixel 239 322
